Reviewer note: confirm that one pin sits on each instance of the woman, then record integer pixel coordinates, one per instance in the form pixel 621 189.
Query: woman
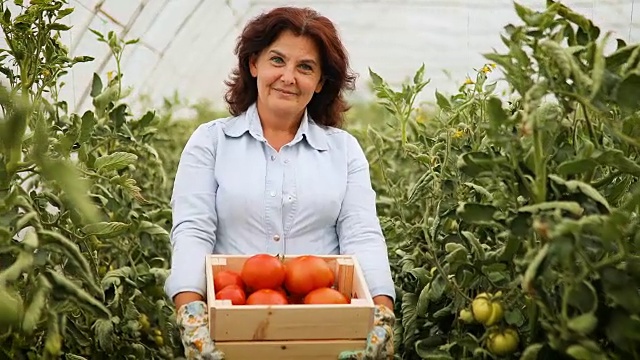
pixel 279 176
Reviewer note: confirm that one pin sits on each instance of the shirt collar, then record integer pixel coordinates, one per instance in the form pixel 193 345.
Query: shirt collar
pixel 249 121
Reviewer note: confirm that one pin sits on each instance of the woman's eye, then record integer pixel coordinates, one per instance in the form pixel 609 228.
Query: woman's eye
pixel 306 67
pixel 276 59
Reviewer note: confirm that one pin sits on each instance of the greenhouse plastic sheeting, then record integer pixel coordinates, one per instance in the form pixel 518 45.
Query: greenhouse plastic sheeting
pixel 186 46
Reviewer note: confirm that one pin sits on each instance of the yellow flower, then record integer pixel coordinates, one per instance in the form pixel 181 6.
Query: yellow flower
pixel 420 116
pixel 486 69
pixel 493 65
pixel 458 134
pixel 110 75
pixel 468 81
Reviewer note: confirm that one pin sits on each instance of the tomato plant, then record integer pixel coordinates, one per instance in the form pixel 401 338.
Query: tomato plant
pixel 532 195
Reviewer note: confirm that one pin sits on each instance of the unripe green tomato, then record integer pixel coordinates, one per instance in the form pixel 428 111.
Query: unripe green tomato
pixel 11 308
pixel 466 316
pixel 503 343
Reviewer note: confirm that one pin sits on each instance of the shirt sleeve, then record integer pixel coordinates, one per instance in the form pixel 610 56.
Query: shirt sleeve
pixel 193 234
pixel 358 227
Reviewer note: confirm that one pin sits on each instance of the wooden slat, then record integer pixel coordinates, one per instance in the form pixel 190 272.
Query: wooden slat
pixel 288 350
pixel 291 322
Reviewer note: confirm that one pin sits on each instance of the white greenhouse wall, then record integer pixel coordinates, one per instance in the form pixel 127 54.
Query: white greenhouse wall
pixel 186 45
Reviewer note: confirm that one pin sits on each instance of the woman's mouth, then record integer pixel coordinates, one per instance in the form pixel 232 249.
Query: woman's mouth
pixel 285 92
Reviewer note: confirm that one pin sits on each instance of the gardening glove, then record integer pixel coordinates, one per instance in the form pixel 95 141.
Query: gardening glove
pixel 193 323
pixel 380 339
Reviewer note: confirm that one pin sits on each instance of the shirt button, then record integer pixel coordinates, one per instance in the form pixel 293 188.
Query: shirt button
pixel 286 161
pixel 273 193
pixel 290 198
pixel 273 157
pixel 276 237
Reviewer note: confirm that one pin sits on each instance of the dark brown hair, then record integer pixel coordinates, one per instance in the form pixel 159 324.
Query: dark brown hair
pixel 326 107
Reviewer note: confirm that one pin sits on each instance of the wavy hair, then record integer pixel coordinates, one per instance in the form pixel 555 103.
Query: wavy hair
pixel 326 107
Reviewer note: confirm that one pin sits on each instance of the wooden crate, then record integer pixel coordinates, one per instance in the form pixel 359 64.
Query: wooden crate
pixel 295 331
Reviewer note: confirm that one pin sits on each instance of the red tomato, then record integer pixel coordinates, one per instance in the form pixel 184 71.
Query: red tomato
pixel 225 278
pixel 306 273
pixel 234 293
pixel 267 297
pixel 262 271
pixel 281 291
pixel 325 296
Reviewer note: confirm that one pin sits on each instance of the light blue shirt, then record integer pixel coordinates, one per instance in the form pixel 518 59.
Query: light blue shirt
pixel 234 194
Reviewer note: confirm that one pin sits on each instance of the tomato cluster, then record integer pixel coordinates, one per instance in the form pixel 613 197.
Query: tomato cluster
pixel 266 280
pixel 487 309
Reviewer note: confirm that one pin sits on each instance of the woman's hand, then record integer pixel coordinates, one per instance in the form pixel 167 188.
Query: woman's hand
pixel 380 339
pixel 193 322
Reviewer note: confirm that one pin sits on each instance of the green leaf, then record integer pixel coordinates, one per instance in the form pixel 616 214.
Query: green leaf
pixel 599 65
pixel 377 80
pixel 147 118
pixel 427 352
pixel 74 187
pixel 620 56
pixel 87 127
pixel 533 270
pixel 64 13
pixel 442 101
pixel 409 316
pixel 96 86
pixel 583 324
pixel 105 229
pixel 583 297
pixel 423 301
pixel 514 317
pixel 627 92
pixel 496 272
pixel 610 157
pixel 154 230
pixel 74 357
pixel 475 244
pixel 129 186
pixel 438 286
pixel 59 27
pixel 421 275
pixel 476 163
pixel 115 161
pixel 580 352
pixel 495 112
pixel 575 185
pixel 531 352
pixel 620 287
pixel 623 330
pixel 118 116
pixel 104 331
pixel 570 206
pixel 474 213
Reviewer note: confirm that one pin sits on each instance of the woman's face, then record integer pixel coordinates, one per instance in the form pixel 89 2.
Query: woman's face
pixel 288 73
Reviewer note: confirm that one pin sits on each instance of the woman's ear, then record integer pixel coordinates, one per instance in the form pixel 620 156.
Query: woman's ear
pixel 252 65
pixel 320 85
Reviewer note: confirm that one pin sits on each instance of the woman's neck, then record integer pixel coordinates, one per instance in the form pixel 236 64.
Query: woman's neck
pixel 279 129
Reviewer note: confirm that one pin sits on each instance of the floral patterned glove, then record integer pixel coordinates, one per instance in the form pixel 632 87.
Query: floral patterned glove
pixel 193 323
pixel 380 339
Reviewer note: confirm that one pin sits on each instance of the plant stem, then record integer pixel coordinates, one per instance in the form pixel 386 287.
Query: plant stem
pixel 540 166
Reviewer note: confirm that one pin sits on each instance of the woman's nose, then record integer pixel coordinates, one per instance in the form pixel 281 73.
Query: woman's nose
pixel 287 75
